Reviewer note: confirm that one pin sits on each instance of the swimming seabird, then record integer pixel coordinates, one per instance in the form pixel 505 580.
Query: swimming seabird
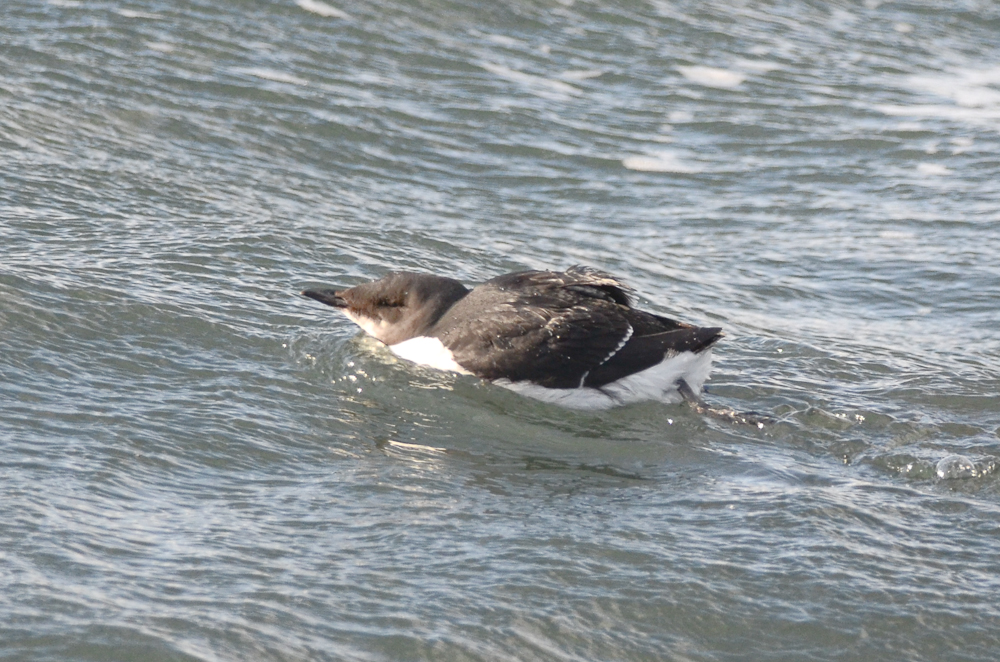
pixel 569 337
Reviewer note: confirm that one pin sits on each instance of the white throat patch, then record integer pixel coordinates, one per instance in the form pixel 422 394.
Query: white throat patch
pixel 367 324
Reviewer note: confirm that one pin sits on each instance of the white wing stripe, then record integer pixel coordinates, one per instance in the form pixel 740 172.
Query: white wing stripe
pixel 628 334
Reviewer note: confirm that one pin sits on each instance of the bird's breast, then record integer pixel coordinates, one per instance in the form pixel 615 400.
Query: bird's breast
pixel 428 351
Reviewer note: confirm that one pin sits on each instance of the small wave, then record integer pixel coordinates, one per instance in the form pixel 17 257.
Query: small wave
pixel 972 92
pixel 659 162
pixel 757 66
pixel 712 77
pixel 276 76
pixel 504 40
pixel 955 466
pixel 536 84
pixel 323 9
pixel 129 13
pixel 581 74
pixel 933 169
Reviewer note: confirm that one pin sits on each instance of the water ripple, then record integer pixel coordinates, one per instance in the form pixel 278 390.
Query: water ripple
pixel 196 463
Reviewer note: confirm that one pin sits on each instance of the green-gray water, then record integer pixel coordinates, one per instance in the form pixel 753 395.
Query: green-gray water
pixel 198 464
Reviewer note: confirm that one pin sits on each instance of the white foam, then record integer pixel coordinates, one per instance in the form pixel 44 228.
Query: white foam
pixel 757 66
pixel 544 87
pixel 323 9
pixel 961 144
pixel 581 74
pixel 942 111
pixel 416 447
pixel 503 40
pixel 428 351
pixel 896 234
pixel 657 383
pixel 160 46
pixel 972 93
pixel 712 77
pixel 129 13
pixel 662 161
pixel 933 169
pixel 276 76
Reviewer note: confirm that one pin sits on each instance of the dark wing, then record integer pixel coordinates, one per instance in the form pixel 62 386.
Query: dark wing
pixel 561 330
pixel 546 331
pixel 586 281
pixel 651 341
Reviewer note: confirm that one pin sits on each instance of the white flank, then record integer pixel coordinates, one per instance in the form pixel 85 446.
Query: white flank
pixel 660 381
pixel 656 383
pixel 429 352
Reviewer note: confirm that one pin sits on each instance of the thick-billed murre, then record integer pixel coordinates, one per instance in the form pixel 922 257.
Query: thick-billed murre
pixel 571 337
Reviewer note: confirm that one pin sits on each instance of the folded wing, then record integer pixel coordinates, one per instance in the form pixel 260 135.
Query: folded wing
pixel 561 330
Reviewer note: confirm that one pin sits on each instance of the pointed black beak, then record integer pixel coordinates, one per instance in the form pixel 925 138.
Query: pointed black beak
pixel 329 297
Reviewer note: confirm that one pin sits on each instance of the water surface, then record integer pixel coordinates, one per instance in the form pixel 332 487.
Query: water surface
pixel 198 464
